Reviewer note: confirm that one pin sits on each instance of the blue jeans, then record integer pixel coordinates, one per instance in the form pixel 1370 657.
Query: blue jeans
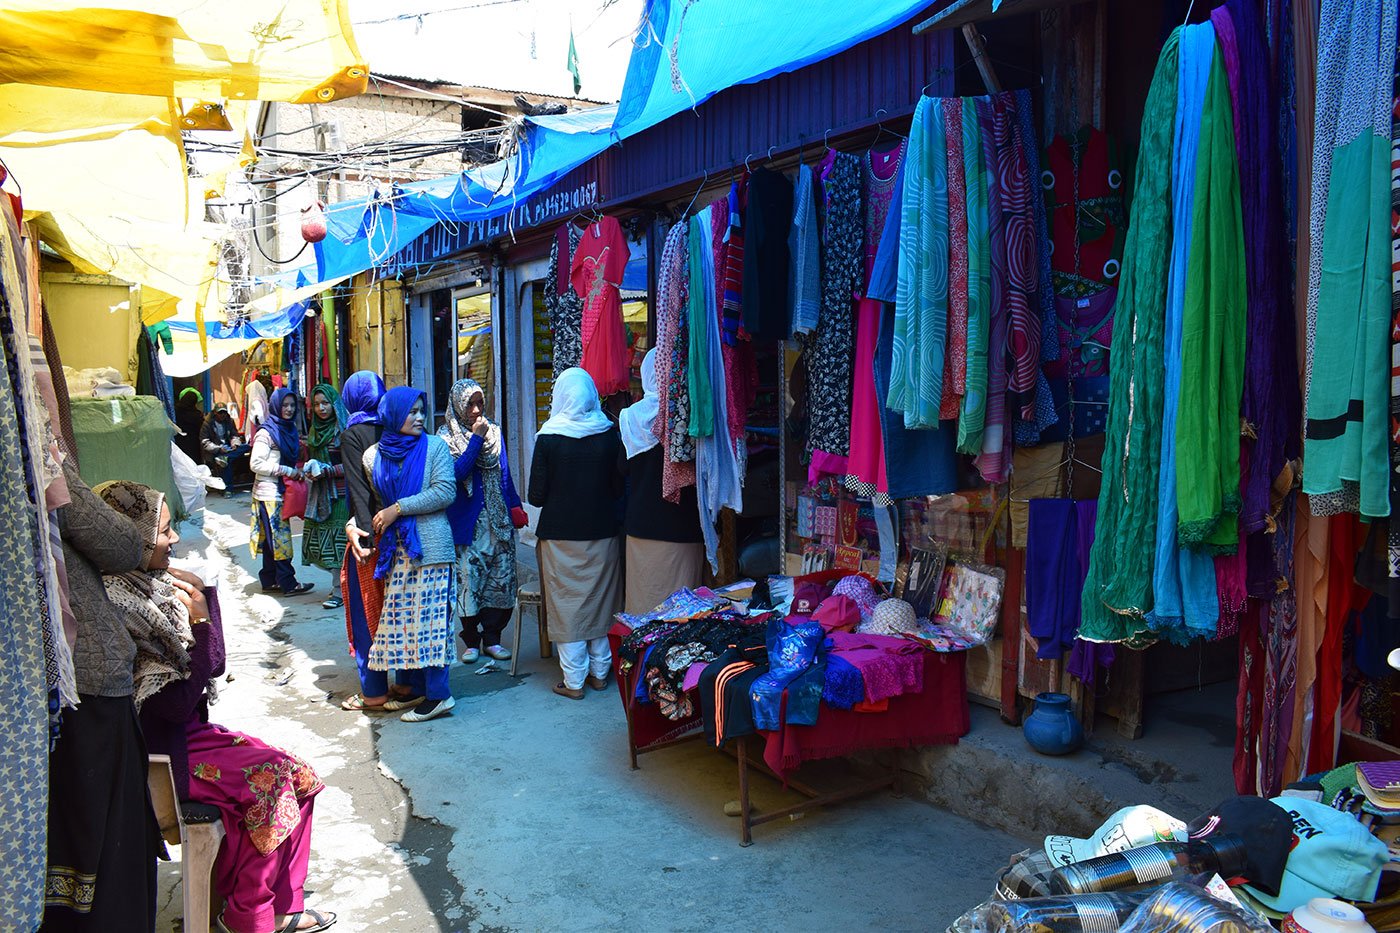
pixel 275 574
pixel 232 458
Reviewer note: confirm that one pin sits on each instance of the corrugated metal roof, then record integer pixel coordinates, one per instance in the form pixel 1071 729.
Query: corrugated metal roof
pixel 877 81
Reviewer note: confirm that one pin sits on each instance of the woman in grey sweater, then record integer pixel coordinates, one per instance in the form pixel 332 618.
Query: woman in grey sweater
pixel 102 837
pixel 412 475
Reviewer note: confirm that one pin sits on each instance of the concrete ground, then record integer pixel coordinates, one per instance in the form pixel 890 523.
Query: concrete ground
pixel 519 812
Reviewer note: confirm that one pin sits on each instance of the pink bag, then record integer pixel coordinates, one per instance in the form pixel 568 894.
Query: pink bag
pixel 293 499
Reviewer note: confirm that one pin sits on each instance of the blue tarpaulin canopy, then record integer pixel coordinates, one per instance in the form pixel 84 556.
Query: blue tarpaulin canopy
pixel 685 53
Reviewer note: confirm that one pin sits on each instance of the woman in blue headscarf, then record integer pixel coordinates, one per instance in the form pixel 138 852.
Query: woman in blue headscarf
pixel 412 476
pixel 276 453
pixel 362 592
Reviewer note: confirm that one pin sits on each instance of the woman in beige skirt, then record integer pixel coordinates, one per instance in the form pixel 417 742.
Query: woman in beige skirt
pixel 575 483
pixel 665 549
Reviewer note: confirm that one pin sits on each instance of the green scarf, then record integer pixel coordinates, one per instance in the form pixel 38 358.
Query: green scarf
pixel 702 409
pixel 1118 588
pixel 973 413
pixel 1212 337
pixel 325 432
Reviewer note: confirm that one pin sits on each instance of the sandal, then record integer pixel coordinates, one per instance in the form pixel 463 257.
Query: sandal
pixel 397 702
pixel 356 704
pixel 324 921
pixel 564 690
pixel 300 589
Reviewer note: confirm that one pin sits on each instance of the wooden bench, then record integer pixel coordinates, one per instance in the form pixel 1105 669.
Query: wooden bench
pixel 198 830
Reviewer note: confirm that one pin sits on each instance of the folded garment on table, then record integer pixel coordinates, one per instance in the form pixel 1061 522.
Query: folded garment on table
pixel 792 649
pixel 678 645
pixel 843 687
pixel 724 692
pixel 889 666
pixel 683 604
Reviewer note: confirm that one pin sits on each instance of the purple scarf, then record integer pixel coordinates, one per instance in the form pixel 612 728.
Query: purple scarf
pixel 1271 406
pixel 361 395
pixel 398 473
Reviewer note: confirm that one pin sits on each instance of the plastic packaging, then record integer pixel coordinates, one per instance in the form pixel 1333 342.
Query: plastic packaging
pixel 1162 861
pixel 1080 913
pixel 1181 908
pixel 1028 875
pixel 189 482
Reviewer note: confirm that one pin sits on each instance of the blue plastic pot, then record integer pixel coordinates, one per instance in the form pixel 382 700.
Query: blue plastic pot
pixel 1052 728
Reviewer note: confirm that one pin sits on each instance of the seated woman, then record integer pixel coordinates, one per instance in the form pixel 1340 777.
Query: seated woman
pixel 264 795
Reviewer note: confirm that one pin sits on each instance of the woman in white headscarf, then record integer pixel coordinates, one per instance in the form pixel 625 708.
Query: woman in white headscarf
pixel 576 485
pixel 665 549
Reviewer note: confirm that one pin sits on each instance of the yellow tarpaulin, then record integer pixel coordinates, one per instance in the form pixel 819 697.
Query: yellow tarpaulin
pixel 92 102
pixel 301 51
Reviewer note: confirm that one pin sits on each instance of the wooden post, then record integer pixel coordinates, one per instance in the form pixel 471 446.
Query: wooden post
pixel 979 55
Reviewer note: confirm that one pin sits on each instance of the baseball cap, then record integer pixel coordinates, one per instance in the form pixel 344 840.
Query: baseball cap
pixel 1129 828
pixel 1332 855
pixel 1265 827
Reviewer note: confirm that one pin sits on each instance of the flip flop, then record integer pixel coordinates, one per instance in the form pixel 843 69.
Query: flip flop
pixel 355 703
pixel 324 921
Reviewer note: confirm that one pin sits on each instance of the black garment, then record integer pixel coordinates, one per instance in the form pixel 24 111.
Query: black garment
pixel 189 419
pixel 354 441
pixel 648 514
pixel 576 485
pixel 484 629
pixel 103 837
pixel 766 227
pixel 734 700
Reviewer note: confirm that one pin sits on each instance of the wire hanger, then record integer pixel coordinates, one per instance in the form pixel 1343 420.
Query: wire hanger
pixel 826 140
pixel 704 181
pixel 882 129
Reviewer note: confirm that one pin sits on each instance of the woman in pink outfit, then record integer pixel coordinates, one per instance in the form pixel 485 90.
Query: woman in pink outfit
pixel 263 795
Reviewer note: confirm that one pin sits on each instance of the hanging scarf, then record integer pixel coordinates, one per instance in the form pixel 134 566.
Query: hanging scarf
pixel 1348 282
pixel 673 342
pixel 398 473
pixel 921 305
pixel 488 460
pixel 325 432
pixel 1118 588
pixel 155 617
pixel 994 461
pixel 283 431
pixel 638 420
pixel 972 411
pixel 1212 337
pixel 363 390
pixel 1272 400
pixel 575 409
pixel 1185 603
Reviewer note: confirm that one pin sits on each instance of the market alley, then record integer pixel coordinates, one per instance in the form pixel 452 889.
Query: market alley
pixel 519 812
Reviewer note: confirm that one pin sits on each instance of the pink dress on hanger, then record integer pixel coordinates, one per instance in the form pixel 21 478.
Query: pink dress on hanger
pixel 865 471
pixel 596 275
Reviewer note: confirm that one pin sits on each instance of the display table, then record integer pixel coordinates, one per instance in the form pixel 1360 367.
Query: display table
pixel 936 716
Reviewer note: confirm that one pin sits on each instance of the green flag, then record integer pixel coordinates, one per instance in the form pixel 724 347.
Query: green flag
pixel 573 63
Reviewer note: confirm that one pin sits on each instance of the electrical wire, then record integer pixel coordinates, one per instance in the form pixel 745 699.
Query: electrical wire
pixel 418 16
